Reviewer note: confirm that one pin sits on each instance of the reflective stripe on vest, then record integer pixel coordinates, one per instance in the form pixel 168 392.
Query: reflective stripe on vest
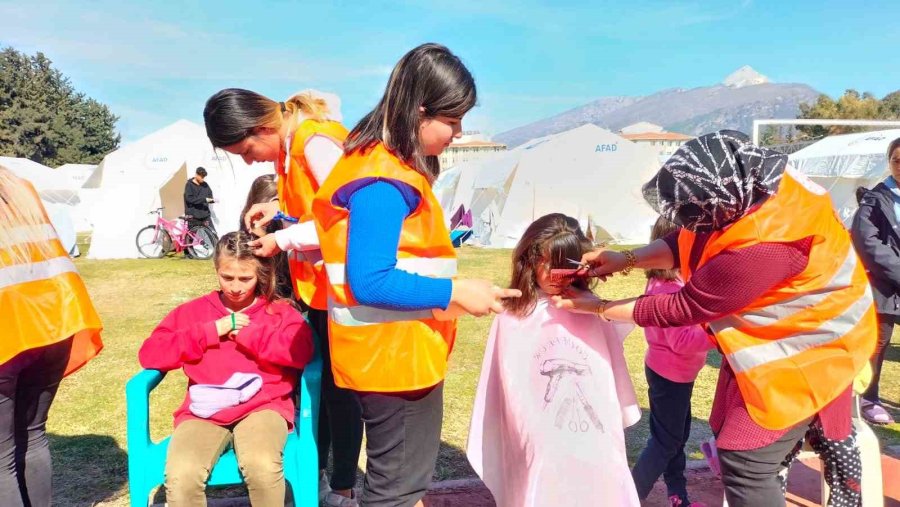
pixel 792 345
pixel 362 315
pixel 35 271
pixel 439 267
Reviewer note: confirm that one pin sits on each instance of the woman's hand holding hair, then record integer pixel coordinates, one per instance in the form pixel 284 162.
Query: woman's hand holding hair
pixel 260 215
pixel 475 297
pixel 577 300
pixel 265 246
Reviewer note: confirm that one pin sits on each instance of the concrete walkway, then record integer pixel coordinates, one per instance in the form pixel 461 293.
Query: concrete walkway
pixel 703 486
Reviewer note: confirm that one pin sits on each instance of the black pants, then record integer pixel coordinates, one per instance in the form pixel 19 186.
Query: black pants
pixel 340 416
pixel 670 428
pixel 28 384
pixel 193 223
pixel 403 437
pixel 758 477
pixel 885 330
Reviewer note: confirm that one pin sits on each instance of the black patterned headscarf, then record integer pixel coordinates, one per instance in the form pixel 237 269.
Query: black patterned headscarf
pixel 713 180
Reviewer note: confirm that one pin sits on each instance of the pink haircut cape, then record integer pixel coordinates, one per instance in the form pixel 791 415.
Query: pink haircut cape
pixel 552 403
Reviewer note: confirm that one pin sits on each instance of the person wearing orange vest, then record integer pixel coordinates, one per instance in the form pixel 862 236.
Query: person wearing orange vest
pixel 303 136
pixel 50 330
pixel 795 321
pixel 392 296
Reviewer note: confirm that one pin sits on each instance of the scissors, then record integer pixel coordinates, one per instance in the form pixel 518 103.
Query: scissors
pixel 287 218
pixel 581 265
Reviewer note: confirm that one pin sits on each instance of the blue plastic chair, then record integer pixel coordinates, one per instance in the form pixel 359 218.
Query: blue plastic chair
pixel 147 459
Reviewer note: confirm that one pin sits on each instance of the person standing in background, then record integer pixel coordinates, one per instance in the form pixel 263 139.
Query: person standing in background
pixel 197 198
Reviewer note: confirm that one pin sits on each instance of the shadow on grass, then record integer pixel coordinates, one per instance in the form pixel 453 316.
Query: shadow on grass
pixel 452 463
pixel 87 469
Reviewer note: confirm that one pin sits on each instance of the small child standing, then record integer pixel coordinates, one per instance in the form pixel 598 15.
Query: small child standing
pixel 674 357
pixel 554 394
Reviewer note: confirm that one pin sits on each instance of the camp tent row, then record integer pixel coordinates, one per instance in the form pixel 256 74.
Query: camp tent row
pixel 150 173
pixel 595 175
pixel 843 163
pixel 588 173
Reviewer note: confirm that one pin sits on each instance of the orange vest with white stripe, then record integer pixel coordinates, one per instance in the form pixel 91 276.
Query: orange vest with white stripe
pixel 800 344
pixel 374 349
pixel 296 188
pixel 44 301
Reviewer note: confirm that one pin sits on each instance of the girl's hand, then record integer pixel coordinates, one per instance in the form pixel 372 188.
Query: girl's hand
pixel 578 301
pixel 259 215
pixel 265 246
pixel 224 327
pixel 478 297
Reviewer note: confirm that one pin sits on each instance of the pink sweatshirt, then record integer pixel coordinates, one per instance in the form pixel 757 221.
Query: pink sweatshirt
pixel 675 353
pixel 275 345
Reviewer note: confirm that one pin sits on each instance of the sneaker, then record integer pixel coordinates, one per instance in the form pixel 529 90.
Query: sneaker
pixel 324 488
pixel 335 500
pixel 676 501
pixel 874 413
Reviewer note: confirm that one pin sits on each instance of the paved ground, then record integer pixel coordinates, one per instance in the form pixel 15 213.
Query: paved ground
pixel 703 485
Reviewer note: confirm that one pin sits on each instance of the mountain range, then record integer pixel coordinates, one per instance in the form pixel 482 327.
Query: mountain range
pixel 734 103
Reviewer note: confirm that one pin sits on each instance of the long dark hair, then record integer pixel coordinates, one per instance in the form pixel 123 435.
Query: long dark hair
pixel 662 228
pixel 233 114
pixel 263 189
pixel 552 238
pixel 234 245
pixel 429 76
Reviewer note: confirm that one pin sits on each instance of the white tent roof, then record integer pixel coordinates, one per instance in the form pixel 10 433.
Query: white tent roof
pixel 843 163
pixel 587 173
pixel 77 173
pixel 52 186
pixel 55 192
pixel 141 176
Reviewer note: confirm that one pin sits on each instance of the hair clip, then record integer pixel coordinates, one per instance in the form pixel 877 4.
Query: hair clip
pixel 287 218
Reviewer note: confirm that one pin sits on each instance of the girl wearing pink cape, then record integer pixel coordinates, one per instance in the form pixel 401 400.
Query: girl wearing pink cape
pixel 554 395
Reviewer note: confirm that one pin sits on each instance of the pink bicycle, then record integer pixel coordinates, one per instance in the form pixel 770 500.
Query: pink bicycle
pixel 155 241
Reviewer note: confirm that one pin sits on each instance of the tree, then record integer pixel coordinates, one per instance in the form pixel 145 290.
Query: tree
pixel 43 117
pixel 850 106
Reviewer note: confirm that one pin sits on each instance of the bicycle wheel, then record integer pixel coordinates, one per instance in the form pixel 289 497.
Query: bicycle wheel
pixel 207 243
pixel 153 244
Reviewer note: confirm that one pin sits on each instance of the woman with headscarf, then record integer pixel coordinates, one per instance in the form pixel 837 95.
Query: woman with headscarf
pixel 772 274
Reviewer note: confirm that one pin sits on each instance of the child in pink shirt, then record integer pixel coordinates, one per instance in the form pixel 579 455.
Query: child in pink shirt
pixel 674 357
pixel 242 352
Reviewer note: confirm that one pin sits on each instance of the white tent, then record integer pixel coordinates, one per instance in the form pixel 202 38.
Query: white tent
pixel 151 172
pixel 77 173
pixel 588 173
pixel 843 163
pixel 57 192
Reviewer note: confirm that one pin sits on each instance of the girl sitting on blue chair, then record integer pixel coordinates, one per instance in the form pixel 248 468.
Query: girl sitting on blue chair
pixel 242 350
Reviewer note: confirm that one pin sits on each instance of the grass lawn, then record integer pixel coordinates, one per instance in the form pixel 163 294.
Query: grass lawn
pixel 87 420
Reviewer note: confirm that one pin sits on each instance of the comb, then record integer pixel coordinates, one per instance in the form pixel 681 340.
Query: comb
pixel 565 275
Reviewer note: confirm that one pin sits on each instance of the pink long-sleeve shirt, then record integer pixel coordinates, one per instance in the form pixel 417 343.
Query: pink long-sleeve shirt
pixel 675 353
pixel 275 345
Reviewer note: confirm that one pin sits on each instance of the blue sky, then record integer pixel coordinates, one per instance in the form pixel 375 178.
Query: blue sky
pixel 156 62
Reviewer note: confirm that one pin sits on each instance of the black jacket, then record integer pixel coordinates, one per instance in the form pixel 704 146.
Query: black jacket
pixel 195 199
pixel 876 238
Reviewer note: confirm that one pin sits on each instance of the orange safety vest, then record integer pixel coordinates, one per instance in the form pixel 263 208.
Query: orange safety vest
pixel 374 349
pixel 296 188
pixel 800 344
pixel 44 301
